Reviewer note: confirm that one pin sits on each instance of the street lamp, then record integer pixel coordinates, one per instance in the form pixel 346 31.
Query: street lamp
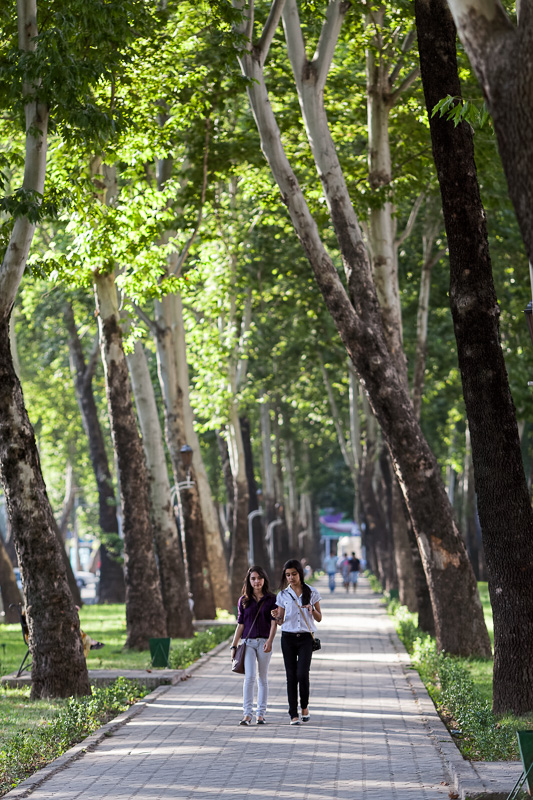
pixel 251 516
pixel 269 536
pixel 528 311
pixel 186 461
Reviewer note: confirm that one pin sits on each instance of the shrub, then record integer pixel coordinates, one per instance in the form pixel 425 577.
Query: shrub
pixel 28 751
pixel 187 651
pixel 477 731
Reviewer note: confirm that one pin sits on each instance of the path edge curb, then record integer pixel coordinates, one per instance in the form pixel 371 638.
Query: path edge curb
pixel 28 785
pixel 466 780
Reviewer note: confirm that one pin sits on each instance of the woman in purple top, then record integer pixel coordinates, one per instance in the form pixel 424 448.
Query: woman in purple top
pixel 257 628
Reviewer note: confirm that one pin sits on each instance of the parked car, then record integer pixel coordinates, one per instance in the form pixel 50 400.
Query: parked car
pixel 16 570
pixel 84 579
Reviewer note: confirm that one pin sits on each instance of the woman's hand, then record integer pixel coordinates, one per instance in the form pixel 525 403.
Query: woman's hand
pixel 267 647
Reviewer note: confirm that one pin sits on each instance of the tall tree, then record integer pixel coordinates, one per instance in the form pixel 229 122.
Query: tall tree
pixel 169 555
pixel 145 615
pixel 358 318
pixel 503 497
pixel 500 53
pixel 59 667
pixel 111 584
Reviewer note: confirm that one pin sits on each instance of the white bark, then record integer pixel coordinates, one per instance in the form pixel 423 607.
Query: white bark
pixel 174 379
pixel 266 450
pixel 462 9
pixel 36 116
pixel 147 413
pixel 355 425
pixel 309 85
pixel 343 444
pixel 429 261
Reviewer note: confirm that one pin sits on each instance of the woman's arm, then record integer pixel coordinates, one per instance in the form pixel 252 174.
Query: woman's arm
pixel 267 647
pixel 236 636
pixel 316 613
pixel 278 615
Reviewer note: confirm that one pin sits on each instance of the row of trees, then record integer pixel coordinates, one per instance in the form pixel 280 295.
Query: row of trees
pixel 159 204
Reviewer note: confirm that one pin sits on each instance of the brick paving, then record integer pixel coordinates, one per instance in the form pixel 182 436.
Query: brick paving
pixel 368 737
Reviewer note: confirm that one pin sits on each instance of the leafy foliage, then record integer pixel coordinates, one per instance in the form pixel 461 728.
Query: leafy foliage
pixel 186 651
pixel 28 751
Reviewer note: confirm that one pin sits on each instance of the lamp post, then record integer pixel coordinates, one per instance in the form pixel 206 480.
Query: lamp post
pixel 270 539
pixel 528 311
pixel 251 516
pixel 194 540
pixel 186 460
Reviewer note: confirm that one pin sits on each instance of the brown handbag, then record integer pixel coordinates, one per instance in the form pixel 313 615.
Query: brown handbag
pixel 237 662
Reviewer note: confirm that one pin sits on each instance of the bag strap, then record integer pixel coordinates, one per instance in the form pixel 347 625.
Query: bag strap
pixel 302 613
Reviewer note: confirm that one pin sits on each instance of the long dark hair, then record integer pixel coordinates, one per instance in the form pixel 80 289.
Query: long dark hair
pixel 293 563
pixel 247 589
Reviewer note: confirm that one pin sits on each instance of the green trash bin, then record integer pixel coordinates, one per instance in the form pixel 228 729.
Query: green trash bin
pixel 159 652
pixel 525 744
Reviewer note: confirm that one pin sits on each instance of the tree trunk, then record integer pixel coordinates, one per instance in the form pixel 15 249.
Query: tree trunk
pixel 8 586
pixel 239 539
pixel 405 571
pixel 170 560
pixel 111 587
pixel 68 502
pixel 145 615
pixel 228 480
pixel 500 53
pixel 503 498
pixel 258 529
pixel 382 222
pixel 59 668
pixel 195 549
pixel 459 621
pixel 173 377
pixel 169 314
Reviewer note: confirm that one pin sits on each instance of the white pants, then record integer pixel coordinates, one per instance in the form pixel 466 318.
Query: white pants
pixel 256 661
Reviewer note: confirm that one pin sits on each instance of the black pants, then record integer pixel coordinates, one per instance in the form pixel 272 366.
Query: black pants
pixel 297 649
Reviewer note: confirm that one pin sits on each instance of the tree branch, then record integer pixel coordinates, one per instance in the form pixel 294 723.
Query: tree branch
pixel 346 453
pixel 36 116
pixel 406 46
pixel 242 364
pixel 327 42
pixel 88 372
pixel 404 85
pixel 185 252
pixel 412 219
pixel 270 29
pixel 151 324
pixel 295 40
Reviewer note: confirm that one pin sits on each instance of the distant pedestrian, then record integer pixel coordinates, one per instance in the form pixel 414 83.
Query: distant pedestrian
pixel 345 571
pixel 355 569
pixel 298 609
pixel 330 567
pixel 257 628
pixel 307 568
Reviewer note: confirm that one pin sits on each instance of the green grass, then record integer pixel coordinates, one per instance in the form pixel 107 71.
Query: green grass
pixel 461 688
pixel 34 733
pixel 105 623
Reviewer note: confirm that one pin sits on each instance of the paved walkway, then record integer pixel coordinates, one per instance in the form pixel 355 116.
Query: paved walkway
pixel 373 734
